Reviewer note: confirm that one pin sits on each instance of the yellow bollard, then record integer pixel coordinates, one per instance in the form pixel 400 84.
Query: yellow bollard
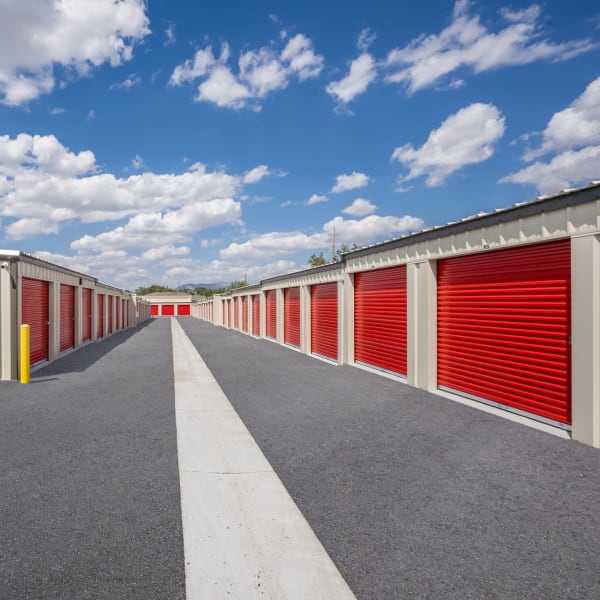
pixel 24 366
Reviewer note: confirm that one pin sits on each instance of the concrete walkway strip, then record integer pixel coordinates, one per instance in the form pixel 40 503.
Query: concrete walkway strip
pixel 244 537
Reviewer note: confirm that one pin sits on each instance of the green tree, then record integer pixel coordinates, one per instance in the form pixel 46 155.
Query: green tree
pixel 143 291
pixel 316 260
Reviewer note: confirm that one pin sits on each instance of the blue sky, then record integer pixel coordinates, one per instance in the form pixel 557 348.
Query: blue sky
pixel 167 142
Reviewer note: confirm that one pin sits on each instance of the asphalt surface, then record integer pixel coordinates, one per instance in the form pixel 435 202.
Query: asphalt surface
pixel 413 495
pixel 89 488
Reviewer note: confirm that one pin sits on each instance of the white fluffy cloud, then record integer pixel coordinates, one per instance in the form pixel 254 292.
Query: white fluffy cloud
pixel 352 181
pixel 43 184
pixel 37 36
pixel 260 72
pixel 425 60
pixel 316 199
pixel 464 138
pixel 563 171
pixel 572 139
pixel 360 208
pixel 147 230
pixel 278 244
pixel 574 127
pixel 362 73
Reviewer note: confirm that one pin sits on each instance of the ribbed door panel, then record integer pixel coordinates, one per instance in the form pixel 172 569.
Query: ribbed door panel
pixel 504 321
pixel 245 314
pixel 168 310
pixel 86 314
pixel 109 308
pixel 154 310
pixel 99 315
pixel 34 312
pixel 271 301
pixel 256 314
pixel 324 320
pixel 67 317
pixel 380 318
pixel 236 313
pixel 291 316
pixel 183 310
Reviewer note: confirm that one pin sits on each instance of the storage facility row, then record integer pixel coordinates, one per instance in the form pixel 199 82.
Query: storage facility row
pixel 63 308
pixel 501 308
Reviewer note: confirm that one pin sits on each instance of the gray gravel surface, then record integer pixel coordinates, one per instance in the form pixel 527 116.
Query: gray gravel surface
pixel 89 489
pixel 413 495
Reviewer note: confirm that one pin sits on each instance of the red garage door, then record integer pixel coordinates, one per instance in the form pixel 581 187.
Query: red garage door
pixel 236 313
pixel 168 310
pixel 154 310
pixel 324 320
pixel 34 312
pixel 380 319
pixel 183 310
pixel 86 314
pixel 245 314
pixel 271 302
pixel 504 327
pixel 110 303
pixel 256 314
pixel 291 316
pixel 67 317
pixel 99 315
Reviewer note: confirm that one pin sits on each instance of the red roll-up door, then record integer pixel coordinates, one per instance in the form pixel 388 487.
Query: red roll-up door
pixel 245 314
pixel 110 313
pixel 154 310
pixel 35 313
pixel 256 314
pixel 324 320
pixel 86 314
pixel 291 316
pixel 168 310
pixel 183 310
pixel 380 318
pixel 271 305
pixel 67 317
pixel 99 315
pixel 504 321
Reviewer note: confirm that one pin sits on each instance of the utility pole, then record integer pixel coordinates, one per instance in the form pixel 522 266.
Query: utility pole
pixel 333 246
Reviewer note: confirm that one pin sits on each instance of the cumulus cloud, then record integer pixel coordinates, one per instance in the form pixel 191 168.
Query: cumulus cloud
pixel 316 199
pixel 360 208
pixel 259 72
pixel 362 73
pixel 278 244
pixel 43 184
pixel 574 127
pixel 563 171
pixel 163 252
pixel 572 142
pixel 466 43
pixel 464 138
pixel 36 37
pixel 147 230
pixel 352 181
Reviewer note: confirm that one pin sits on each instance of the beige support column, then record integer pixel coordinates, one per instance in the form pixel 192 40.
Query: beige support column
pixel 422 324
pixel 6 330
pixel 263 314
pixel 585 338
pixel 54 318
pixel 78 316
pixel 305 319
pixel 280 315
pixel 346 319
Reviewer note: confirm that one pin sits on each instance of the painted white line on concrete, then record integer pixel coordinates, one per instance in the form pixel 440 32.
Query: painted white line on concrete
pixel 244 537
